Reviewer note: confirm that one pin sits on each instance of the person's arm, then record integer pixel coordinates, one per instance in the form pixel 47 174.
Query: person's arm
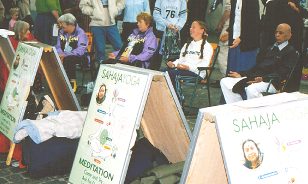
pixel 158 15
pixel 1 11
pixel 205 61
pixel 148 51
pixel 58 45
pixel 52 5
pixel 182 15
pixel 146 6
pixel 225 17
pixel 81 47
pixel 120 5
pixel 284 69
pixel 86 7
pixel 181 58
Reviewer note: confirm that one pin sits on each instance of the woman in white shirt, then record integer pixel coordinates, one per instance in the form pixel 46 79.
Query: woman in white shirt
pixel 197 53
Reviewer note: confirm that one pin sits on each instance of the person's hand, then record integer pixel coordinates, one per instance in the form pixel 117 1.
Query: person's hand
pixel 236 42
pixel 61 56
pixel 124 59
pixel 219 27
pixel 234 74
pixel 224 37
pixel 293 6
pixel 111 56
pixel 170 26
pixel 173 28
pixel 170 64
pixel 182 67
pixel 256 80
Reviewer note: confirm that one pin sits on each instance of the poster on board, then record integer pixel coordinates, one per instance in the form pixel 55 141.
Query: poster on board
pixel 109 132
pixel 22 73
pixel 266 144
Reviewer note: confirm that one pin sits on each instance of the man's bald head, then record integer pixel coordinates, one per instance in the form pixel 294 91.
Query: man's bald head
pixel 283 32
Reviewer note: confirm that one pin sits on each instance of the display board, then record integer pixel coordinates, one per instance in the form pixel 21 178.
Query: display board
pixel 109 132
pixel 23 69
pixel 263 139
pixel 17 89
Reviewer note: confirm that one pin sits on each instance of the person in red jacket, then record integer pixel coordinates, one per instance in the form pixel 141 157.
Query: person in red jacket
pixel 22 33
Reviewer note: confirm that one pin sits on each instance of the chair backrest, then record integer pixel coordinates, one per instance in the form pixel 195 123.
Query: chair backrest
pixel 284 86
pixel 216 49
pixel 90 42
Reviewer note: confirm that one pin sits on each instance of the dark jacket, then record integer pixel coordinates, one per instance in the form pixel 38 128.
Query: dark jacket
pixel 250 23
pixel 277 12
pixel 277 63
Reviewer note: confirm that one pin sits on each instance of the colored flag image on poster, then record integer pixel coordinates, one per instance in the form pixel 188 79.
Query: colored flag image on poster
pixel 22 73
pixel 109 132
pixel 265 145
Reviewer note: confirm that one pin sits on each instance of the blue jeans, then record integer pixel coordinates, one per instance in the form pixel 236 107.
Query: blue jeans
pixel 174 72
pixel 100 34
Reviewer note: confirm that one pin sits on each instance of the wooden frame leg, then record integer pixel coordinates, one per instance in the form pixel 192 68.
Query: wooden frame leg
pixel 10 155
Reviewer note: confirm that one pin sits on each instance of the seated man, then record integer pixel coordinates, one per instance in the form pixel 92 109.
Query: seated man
pixel 277 60
pixel 139 47
pixel 71 45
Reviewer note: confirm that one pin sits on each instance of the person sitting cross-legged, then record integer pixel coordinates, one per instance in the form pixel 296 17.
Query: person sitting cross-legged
pixel 277 60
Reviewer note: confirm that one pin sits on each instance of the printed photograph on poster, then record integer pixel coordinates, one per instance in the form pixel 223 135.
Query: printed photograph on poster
pixel 265 145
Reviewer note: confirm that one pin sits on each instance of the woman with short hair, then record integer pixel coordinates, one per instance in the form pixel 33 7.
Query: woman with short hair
pixel 140 46
pixel 71 45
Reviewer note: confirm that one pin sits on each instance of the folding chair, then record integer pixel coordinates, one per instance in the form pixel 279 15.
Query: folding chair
pixel 88 57
pixel 283 83
pixel 197 81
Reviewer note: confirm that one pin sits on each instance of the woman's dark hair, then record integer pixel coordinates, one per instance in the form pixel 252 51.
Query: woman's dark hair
pixel 204 38
pixel 260 156
pixel 98 100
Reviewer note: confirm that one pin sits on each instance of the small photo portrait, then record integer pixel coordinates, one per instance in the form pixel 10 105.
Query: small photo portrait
pixel 16 62
pixel 252 154
pixel 101 95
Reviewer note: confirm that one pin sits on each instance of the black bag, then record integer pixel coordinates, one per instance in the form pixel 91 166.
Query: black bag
pixel 52 157
pixel 144 157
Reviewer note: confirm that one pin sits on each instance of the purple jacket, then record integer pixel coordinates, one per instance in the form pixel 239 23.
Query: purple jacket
pixel 143 49
pixel 77 43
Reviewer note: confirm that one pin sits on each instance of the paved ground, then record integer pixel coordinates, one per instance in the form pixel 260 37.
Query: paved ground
pixel 9 174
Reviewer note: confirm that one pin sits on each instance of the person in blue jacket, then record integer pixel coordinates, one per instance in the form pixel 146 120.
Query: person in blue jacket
pixel 171 14
pixel 140 46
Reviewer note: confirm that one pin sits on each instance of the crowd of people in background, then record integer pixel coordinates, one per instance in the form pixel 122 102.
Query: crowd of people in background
pixel 246 29
pixel 256 37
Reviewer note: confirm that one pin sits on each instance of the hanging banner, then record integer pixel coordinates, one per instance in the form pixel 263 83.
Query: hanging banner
pixel 22 73
pixel 109 132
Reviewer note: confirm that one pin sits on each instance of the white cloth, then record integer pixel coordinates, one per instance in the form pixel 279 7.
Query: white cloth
pixel 253 91
pixel 67 124
pixel 192 58
pixel 237 20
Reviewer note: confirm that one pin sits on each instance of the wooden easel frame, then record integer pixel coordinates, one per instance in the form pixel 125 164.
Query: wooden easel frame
pixel 205 149
pixel 56 78
pixel 169 132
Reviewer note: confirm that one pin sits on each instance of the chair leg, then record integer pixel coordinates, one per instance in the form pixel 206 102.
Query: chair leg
pixel 209 94
pixel 83 73
pixel 193 95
